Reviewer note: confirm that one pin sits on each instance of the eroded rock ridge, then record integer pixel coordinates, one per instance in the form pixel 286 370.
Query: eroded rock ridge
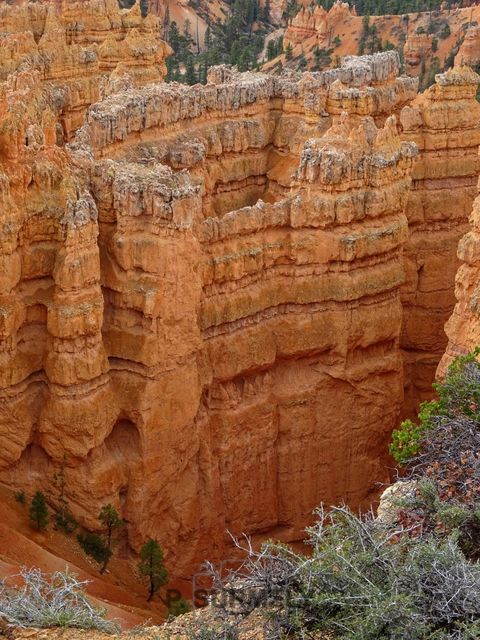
pixel 201 293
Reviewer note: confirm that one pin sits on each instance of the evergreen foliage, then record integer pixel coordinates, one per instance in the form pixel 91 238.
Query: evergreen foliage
pixel 442 451
pixel 20 497
pixel 178 607
pixel 111 520
pixel 393 7
pixel 39 511
pixel 151 567
pixel 95 547
pixel 458 394
pixel 238 40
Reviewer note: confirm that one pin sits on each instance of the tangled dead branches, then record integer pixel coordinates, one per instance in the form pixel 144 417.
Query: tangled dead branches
pixel 56 601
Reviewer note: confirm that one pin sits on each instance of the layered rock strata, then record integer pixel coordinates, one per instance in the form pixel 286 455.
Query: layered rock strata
pixel 81 51
pixel 463 327
pixel 201 300
pixel 444 123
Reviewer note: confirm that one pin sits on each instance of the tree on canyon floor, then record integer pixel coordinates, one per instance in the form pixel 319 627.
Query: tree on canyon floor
pixel 39 511
pixel 111 521
pixel 410 574
pixel 151 568
pixel 100 548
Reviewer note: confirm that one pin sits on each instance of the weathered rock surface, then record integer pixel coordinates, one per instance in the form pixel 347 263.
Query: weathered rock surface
pixel 201 299
pixel 444 123
pixel 469 52
pixel 80 49
pixel 201 294
pixel 427 40
pixel 463 328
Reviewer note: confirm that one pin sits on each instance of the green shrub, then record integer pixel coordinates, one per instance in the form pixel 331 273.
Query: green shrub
pixel 20 497
pixel 458 395
pixel 363 581
pixel 178 607
pixel 442 454
pixel 94 546
pixel 406 441
pixel 38 511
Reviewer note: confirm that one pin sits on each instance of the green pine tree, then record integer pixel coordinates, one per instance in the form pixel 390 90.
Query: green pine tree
pixel 39 511
pixel 111 520
pixel 190 74
pixel 94 546
pixel 151 567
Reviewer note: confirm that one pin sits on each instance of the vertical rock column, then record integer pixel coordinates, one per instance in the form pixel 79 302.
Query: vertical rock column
pixel 444 123
pixel 463 327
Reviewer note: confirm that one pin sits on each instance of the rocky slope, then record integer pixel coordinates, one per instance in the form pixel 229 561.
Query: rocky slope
pixel 427 39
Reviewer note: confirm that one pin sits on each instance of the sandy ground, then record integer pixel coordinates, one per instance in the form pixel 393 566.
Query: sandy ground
pixel 118 590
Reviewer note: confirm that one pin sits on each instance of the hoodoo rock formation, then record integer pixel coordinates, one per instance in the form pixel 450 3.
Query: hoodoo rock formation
pixel 190 299
pixel 212 297
pixel 444 123
pixel 81 50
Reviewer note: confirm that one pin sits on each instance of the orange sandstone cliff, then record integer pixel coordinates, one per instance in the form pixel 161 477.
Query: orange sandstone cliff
pixel 191 298
pixel 463 328
pixel 81 50
pixel 444 123
pixel 212 297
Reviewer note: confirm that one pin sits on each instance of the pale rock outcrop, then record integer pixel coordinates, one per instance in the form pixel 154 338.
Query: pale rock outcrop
pixel 314 20
pixel 469 52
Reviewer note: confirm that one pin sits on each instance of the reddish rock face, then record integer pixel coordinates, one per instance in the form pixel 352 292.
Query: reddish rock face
pixel 463 328
pixel 205 359
pixel 200 294
pixel 443 122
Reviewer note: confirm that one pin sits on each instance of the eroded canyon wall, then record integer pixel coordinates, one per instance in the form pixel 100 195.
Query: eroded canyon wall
pixel 444 123
pixel 192 296
pixel 81 50
pixel 463 327
pixel 201 292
